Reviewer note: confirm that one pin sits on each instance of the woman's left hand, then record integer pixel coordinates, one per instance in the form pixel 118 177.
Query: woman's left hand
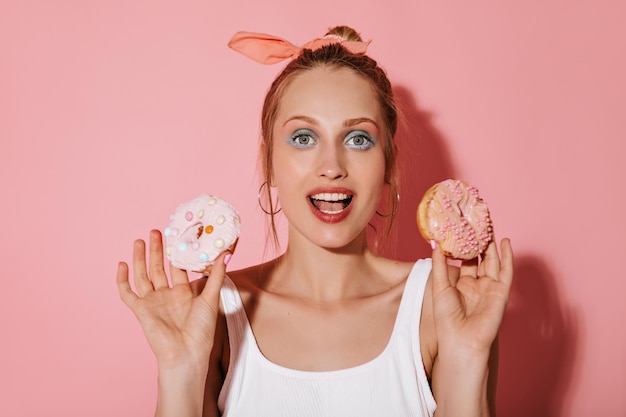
pixel 468 313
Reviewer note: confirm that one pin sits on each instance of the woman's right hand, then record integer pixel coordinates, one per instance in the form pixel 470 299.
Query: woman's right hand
pixel 178 322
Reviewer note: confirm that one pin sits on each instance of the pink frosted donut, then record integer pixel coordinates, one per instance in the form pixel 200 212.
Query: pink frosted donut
pixel 452 214
pixel 199 231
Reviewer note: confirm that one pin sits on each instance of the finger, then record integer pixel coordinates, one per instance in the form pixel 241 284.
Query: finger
pixel 211 290
pixel 506 268
pixel 490 264
pixel 123 286
pixel 140 274
pixel 157 270
pixel 441 280
pixel 179 276
pixel 470 268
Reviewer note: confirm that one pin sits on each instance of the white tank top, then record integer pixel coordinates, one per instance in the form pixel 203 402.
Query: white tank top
pixel 392 384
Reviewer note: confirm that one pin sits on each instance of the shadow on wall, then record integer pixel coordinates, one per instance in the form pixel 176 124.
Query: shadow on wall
pixel 538 343
pixel 538 338
pixel 423 161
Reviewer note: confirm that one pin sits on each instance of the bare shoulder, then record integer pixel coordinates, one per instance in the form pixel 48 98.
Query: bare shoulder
pixel 428 334
pixel 393 271
pixel 246 280
pixel 250 280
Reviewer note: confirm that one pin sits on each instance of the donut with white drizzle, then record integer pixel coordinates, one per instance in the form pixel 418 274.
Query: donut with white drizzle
pixel 199 231
pixel 453 214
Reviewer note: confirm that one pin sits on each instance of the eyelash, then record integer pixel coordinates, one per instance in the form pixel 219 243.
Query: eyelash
pixel 368 140
pixel 300 133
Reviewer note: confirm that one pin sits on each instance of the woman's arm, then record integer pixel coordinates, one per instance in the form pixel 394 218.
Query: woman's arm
pixel 180 391
pixel 179 324
pixel 486 393
pixel 467 315
pixel 218 367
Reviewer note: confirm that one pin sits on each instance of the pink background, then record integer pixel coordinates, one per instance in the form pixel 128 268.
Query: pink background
pixel 113 112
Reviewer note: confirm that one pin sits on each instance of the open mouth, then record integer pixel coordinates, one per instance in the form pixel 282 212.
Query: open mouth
pixel 330 203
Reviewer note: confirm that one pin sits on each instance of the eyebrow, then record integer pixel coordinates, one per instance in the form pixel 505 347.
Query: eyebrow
pixel 358 120
pixel 347 123
pixel 306 119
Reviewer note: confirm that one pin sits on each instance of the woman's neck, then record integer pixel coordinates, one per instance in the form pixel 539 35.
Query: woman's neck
pixel 320 274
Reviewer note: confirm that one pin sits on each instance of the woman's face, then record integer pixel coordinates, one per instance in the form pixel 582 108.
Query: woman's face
pixel 328 155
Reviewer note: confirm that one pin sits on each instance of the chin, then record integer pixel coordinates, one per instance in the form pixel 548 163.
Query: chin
pixel 343 243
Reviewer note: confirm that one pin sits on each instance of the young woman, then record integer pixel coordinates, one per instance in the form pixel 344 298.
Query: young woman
pixel 329 328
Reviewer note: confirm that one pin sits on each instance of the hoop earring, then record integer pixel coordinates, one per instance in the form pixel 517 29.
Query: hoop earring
pixel 394 206
pixel 271 213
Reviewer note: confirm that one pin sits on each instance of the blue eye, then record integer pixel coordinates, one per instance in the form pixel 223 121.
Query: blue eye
pixel 360 139
pixel 302 138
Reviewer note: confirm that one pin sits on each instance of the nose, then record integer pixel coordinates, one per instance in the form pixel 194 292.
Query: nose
pixel 332 164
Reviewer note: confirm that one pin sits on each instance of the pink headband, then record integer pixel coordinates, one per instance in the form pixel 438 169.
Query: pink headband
pixel 268 49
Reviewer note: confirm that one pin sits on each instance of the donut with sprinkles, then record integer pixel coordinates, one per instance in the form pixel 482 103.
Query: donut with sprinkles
pixel 453 214
pixel 199 230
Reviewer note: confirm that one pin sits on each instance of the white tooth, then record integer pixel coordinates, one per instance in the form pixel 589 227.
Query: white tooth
pixel 330 196
pixel 331 211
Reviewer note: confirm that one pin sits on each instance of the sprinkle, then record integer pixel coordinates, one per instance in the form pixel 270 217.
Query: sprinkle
pixel 208 229
pixel 212 202
pixel 182 246
pixel 167 231
pixel 200 214
pixel 195 245
pixel 220 220
pixel 188 216
pixel 174 232
pixel 203 257
pixel 219 243
pixel 168 250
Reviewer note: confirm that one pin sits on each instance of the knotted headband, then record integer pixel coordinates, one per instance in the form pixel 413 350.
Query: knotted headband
pixel 268 49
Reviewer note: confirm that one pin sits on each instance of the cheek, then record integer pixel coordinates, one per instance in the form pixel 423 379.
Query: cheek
pixel 378 176
pixel 377 167
pixel 387 168
pixel 286 169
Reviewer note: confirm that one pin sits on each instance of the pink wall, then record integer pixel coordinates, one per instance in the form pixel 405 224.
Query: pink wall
pixel 112 112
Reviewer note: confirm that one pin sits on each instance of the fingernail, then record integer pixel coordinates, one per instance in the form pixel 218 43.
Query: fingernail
pixel 433 244
pixel 227 258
